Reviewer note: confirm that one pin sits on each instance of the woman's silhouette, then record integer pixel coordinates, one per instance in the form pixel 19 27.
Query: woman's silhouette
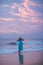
pixel 20 49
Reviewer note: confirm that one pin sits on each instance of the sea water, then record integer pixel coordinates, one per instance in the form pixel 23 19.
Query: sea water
pixel 33 45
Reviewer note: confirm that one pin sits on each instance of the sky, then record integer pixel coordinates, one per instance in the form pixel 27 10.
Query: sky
pixel 21 18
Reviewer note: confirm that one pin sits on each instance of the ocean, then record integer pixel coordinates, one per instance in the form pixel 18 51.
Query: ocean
pixel 30 45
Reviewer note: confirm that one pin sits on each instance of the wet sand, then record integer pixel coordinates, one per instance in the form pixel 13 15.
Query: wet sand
pixel 30 58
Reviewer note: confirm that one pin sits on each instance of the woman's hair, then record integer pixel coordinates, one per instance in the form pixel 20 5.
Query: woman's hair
pixel 20 38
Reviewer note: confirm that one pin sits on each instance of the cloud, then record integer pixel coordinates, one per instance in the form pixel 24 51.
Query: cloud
pixel 32 3
pixel 37 20
pixel 14 5
pixel 20 28
pixel 7 31
pixel 27 4
pixel 5 5
pixel 6 19
pixel 22 18
pixel 28 29
pixel 8 27
pixel 25 13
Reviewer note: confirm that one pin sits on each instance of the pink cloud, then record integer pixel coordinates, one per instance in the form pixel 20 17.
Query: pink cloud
pixel 31 3
pixel 7 30
pixel 27 17
pixel 27 7
pixel 14 5
pixel 21 29
pixel 27 28
pixel 25 13
pixel 6 19
pixel 14 14
pixel 25 10
pixel 34 19
pixel 31 12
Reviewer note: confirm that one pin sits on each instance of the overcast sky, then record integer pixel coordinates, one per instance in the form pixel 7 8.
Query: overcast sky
pixel 21 18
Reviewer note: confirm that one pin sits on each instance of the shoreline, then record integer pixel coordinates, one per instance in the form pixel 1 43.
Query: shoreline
pixel 30 58
pixel 8 51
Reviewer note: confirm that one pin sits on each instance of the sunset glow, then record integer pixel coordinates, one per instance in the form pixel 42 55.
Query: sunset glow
pixel 23 17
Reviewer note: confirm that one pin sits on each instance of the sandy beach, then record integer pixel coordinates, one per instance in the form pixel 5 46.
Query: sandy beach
pixel 30 58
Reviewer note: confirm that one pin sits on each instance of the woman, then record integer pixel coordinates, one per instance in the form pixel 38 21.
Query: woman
pixel 20 49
